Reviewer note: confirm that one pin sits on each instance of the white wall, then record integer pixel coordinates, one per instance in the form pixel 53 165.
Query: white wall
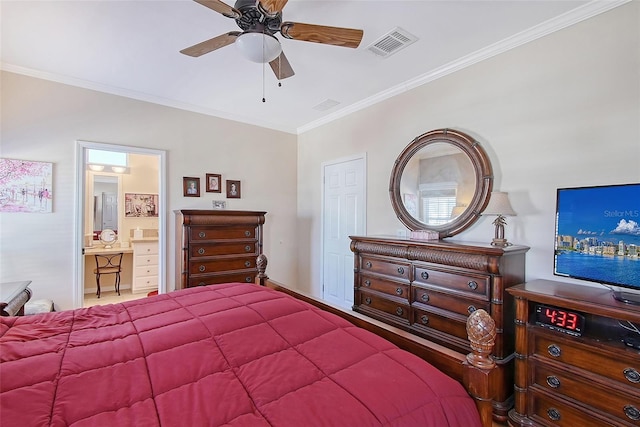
pixel 560 111
pixel 42 120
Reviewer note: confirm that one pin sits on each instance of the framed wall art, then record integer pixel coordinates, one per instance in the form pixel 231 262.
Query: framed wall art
pixel 233 189
pixel 140 205
pixel 190 186
pixel 26 186
pixel 213 183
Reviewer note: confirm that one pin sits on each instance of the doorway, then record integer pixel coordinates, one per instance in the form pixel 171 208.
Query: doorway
pixel 100 195
pixel 343 215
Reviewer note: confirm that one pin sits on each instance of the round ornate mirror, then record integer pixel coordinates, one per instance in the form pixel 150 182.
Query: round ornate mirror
pixel 441 182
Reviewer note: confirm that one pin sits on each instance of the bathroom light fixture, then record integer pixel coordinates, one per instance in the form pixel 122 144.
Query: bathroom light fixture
pixel 258 47
pixel 499 205
pixel 96 168
pixel 118 169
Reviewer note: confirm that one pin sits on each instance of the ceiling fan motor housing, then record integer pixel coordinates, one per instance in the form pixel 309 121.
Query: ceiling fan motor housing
pixel 255 19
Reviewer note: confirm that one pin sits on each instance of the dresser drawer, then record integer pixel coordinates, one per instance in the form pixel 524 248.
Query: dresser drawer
pixel 197 250
pixel 454 303
pixel 221 233
pixel 400 290
pixel 476 284
pixel 378 302
pixel 142 260
pixel 215 279
pixel 147 248
pixel 225 264
pixel 146 270
pixel 618 366
pixel 455 325
pixel 397 270
pixel 551 411
pixel 622 404
pixel 145 282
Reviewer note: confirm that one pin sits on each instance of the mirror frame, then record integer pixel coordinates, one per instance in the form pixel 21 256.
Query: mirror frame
pixel 482 171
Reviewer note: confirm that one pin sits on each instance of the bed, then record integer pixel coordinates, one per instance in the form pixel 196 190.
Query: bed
pixel 233 354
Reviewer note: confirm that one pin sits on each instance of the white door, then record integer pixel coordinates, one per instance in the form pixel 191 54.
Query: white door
pixel 343 216
pixel 109 211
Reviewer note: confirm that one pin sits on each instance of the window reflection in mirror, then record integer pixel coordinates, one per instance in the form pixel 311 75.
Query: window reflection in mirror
pixel 437 184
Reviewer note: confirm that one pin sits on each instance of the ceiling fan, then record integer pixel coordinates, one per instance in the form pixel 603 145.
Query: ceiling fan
pixel 259 21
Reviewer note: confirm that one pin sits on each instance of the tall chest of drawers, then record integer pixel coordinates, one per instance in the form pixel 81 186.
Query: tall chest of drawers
pixel 430 287
pixel 569 378
pixel 217 246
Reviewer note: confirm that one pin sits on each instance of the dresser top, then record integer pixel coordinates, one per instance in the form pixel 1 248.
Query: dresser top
pixel 445 245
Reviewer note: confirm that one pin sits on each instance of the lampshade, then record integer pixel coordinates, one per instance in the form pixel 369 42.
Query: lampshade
pixel 499 205
pixel 258 47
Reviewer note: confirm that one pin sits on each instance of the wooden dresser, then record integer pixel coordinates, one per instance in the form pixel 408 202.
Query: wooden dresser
pixel 430 287
pixel 217 246
pixel 572 367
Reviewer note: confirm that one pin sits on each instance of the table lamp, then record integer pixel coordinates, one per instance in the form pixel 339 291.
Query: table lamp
pixel 499 205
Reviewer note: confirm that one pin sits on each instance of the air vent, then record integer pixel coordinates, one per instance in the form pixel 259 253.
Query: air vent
pixel 395 40
pixel 326 105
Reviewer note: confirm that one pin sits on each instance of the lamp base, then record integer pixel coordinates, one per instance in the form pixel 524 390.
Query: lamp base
pixel 500 242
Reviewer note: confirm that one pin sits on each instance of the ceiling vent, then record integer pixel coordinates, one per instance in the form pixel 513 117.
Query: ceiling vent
pixel 395 40
pixel 326 105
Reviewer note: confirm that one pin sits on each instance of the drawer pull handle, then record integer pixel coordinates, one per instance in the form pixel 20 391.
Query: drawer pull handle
pixel 553 414
pixel 554 350
pixel 471 309
pixel 367 283
pixel 399 311
pixel 202 234
pixel 201 251
pixel 632 412
pixel 248 279
pixel 201 284
pixel 367 300
pixel 400 270
pixel 247 233
pixel 632 375
pixel 424 275
pixel 472 285
pixel 247 264
pixel 202 268
pixel 424 319
pixel 247 248
pixel 368 264
pixel 553 381
pixel 398 291
pixel 425 297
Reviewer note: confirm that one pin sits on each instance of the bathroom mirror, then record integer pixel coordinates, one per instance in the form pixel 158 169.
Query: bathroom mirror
pixel 441 182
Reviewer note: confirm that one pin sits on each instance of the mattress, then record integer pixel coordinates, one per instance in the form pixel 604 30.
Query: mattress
pixel 222 355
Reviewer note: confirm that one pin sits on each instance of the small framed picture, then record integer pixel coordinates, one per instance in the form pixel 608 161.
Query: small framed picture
pixel 219 204
pixel 213 183
pixel 191 186
pixel 233 189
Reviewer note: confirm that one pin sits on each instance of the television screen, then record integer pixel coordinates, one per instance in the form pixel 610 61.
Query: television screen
pixel 598 234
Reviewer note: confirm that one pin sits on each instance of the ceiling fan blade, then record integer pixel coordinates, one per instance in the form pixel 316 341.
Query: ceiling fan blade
pixel 281 67
pixel 346 37
pixel 272 7
pixel 221 7
pixel 211 44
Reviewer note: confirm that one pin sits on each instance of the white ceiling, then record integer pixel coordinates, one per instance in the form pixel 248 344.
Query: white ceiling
pixel 131 48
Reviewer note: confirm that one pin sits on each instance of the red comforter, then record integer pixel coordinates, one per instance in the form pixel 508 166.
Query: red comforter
pixel 233 354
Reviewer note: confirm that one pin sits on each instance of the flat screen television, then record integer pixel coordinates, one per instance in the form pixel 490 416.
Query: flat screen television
pixel 597 237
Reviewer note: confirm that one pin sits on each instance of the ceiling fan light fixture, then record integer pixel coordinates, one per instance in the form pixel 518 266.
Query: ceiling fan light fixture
pixel 258 47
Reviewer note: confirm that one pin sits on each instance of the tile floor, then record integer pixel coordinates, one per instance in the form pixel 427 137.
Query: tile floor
pixel 111 297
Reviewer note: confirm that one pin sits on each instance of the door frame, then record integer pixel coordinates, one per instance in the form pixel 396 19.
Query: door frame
pixel 324 165
pixel 79 217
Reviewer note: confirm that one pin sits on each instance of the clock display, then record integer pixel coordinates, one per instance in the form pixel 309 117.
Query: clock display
pixel 558 319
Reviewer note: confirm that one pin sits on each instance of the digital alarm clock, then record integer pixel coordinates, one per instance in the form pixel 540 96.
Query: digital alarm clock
pixel 567 321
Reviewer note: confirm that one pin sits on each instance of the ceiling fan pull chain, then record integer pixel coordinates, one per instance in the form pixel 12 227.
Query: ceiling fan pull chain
pixel 263 67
